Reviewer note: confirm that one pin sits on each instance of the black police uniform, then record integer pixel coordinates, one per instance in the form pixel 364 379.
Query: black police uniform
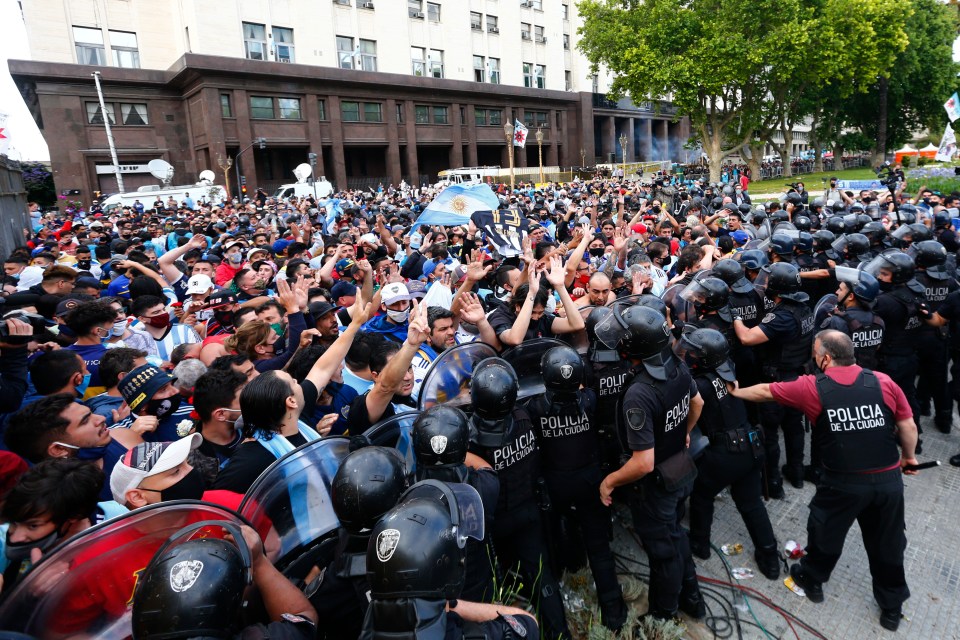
pixel 569 453
pixel 504 627
pixel 899 358
pixel 789 330
pixel 607 381
pixel 289 627
pixel 653 415
pixel 950 309
pixel 517 525
pixel 734 459
pixel 340 592
pixel 862 481
pixel 864 327
pixel 932 351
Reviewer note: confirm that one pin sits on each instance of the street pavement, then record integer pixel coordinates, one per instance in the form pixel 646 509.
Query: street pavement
pixel 849 611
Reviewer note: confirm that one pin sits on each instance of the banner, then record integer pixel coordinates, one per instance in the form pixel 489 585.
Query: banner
pixel 948 146
pixel 503 228
pixel 519 134
pixel 953 107
pixel 4 135
pixel 860 185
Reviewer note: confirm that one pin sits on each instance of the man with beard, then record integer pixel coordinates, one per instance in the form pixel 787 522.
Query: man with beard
pixel 442 335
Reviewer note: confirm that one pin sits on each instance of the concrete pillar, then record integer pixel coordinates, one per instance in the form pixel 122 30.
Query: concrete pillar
pixel 312 112
pixel 664 140
pixel 632 144
pixel 248 165
pixel 471 137
pixel 336 143
pixel 393 144
pixel 456 150
pixel 646 139
pixel 608 137
pixel 410 122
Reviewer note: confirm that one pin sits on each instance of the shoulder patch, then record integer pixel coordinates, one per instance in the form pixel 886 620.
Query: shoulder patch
pixel 770 317
pixel 518 628
pixel 636 418
pixel 295 619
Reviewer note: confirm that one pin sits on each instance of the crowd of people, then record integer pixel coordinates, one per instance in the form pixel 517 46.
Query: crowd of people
pixel 157 354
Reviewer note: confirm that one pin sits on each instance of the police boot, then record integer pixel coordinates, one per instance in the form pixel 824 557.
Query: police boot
pixel 812 473
pixel 813 589
pixel 700 548
pixel 890 619
pixel 691 601
pixel 943 422
pixel 768 561
pixel 793 475
pixel 775 489
pixel 613 610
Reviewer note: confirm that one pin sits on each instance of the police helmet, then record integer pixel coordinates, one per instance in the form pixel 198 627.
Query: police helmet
pixel 931 256
pixel 744 209
pixel 907 213
pixel 857 208
pixel 716 203
pixel 367 485
pixel 863 220
pixel 874 231
pixel 728 190
pixel 779 216
pixel 753 259
pixel 817 204
pixel 647 332
pixel 493 389
pixel 441 436
pixel 794 198
pixel 835 224
pixel 804 242
pixel 562 370
pixel 823 240
pixel 803 223
pixel 707 350
pixel 862 285
pixel 708 294
pixel 781 245
pixel 654 302
pixel 838 206
pixel 857 244
pixel 193 588
pixel 731 273
pixel 921 232
pixel 759 215
pixel 783 280
pixel 899 264
pixel 941 220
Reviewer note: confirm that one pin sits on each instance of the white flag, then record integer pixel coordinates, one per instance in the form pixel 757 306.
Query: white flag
pixel 4 134
pixel 519 134
pixel 953 107
pixel 948 146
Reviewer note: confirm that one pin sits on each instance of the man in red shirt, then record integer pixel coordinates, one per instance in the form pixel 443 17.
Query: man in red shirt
pixel 858 416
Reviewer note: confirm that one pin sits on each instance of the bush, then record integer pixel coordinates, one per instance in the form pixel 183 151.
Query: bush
pixel 942 179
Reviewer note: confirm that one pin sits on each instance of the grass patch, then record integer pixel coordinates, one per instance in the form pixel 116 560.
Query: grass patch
pixel 815 180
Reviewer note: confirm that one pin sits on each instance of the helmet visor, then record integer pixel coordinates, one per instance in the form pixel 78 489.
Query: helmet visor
pixel 463 501
pixel 610 329
pixel 848 275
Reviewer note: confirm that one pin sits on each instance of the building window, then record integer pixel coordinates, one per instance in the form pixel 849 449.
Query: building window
pixel 418 60
pixel 350 111
pixel 540 75
pixel 372 112
pixel 488 117
pixel 440 115
pixel 422 113
pixel 289 108
pixel 538 34
pixel 536 118
pixel 135 114
pixel 493 70
pixel 525 31
pixel 89 43
pixel 125 51
pixel 226 106
pixel 433 12
pixel 476 21
pixel 415 8
pixel 368 55
pixel 568 80
pixel 535 4
pixel 492 24
pixel 399 114
pixel 261 107
pixel 566 11
pixel 436 63
pixel 95 115
pixel 255 41
pixel 283 44
pixel 322 108
pixel 346 53
pixel 463 115
pixel 566 41
pixel 478 68
pixel 527 75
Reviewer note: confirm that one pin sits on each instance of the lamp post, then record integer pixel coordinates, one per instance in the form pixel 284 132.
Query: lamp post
pixel 583 158
pixel 623 150
pixel 225 167
pixel 540 152
pixel 262 144
pixel 508 134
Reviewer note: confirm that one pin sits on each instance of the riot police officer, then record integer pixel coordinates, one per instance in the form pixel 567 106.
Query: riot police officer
pixel 781 248
pixel 441 440
pixel 783 340
pixel 856 295
pixel 742 299
pixel 710 297
pixel 609 372
pixel 416 570
pixel 503 435
pixel 368 483
pixel 657 411
pixel 734 457
pixel 569 455
pixel 932 348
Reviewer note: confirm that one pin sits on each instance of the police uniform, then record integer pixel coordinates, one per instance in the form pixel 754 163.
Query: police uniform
pixel 517 525
pixel 789 331
pixel 503 627
pixel 569 453
pixel 653 415
pixel 861 479
pixel 339 594
pixel 288 627
pixel 932 351
pixel 900 310
pixel 864 327
pixel 607 381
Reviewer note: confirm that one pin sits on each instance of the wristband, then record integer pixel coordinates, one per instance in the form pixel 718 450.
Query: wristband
pixel 740 318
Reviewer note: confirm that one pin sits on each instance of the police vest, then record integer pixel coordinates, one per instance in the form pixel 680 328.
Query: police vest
pixel 721 411
pixel 517 464
pixel 564 434
pixel 715 322
pixel 609 381
pixel 745 305
pixel 901 339
pixel 670 418
pixel 856 427
pixel 935 290
pixel 792 354
pixel 865 329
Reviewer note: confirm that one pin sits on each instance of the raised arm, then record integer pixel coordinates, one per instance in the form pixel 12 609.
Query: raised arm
pixel 166 261
pixel 328 364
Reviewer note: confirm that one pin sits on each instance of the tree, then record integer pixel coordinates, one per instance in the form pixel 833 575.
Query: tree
pixel 39 184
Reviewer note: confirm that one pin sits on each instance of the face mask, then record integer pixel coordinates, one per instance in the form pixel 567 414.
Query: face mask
pixel 15 276
pixel 161 321
pixel 399 316
pixel 86 453
pixel 189 487
pixel 886 286
pixel 596 252
pixel 82 387
pixel 277 328
pixel 224 318
pixel 163 408
pixel 20 551
pixel 119 327
pixel 236 258
pixel 83 265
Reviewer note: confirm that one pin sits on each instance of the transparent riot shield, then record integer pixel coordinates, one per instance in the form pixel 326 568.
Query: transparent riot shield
pixel 289 504
pixel 84 588
pixel 397 433
pixel 824 309
pixel 525 360
pixel 447 381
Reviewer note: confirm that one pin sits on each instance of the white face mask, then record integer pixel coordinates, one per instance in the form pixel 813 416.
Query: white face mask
pixel 399 316
pixel 119 327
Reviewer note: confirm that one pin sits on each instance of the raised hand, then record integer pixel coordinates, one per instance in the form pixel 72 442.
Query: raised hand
pixel 286 297
pixel 556 272
pixel 471 309
pixel 418 330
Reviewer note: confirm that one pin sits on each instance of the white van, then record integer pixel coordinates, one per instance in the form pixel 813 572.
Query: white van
pixel 200 193
pixel 469 175
pixel 304 189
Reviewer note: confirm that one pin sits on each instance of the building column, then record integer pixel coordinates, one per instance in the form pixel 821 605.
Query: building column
pixel 632 144
pixel 646 139
pixel 410 122
pixel 566 151
pixel 664 140
pixel 394 170
pixel 216 146
pixel 456 151
pixel 336 143
pixel 248 164
pixel 312 112
pixel 608 137
pixel 472 160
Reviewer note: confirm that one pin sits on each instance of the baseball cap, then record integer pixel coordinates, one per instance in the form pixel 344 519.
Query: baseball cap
pixel 740 237
pixel 66 306
pixel 394 292
pixel 88 283
pixel 221 297
pixel 199 283
pixel 342 288
pixel 233 243
pixel 319 309
pixel 139 386
pixel 96 224
pixel 345 266
pixel 149 459
pixel 639 228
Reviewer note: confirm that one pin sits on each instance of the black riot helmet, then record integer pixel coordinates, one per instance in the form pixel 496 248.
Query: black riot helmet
pixel 823 240
pixel 941 220
pixel 707 350
pixel 804 242
pixel 728 190
pixel 931 256
pixel 759 215
pixel 899 264
pixel 193 588
pixel 779 216
pixel 708 294
pixel 441 437
pixel 863 220
pixel 654 302
pixel 781 244
pixel 836 225
pixel 874 231
pixel 802 223
pixel 816 205
pixel 647 332
pixel 861 284
pixel 794 198
pixel 783 280
pixel 493 393
pixel 857 244
pixel 367 485
pixel 907 213
pixel 731 272
pixel 603 331
pixel 921 232
pixel 562 370
pixel 716 203
pixel 838 206
pixel 744 210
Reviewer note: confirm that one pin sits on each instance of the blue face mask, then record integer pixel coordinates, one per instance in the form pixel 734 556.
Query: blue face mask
pixel 86 453
pixel 82 387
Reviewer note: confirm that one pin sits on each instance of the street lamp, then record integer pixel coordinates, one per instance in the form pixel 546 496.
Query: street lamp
pixel 623 149
pixel 261 144
pixel 540 152
pixel 225 165
pixel 508 134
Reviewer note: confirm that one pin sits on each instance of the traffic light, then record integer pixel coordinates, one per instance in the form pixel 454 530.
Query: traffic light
pixel 312 157
pixel 262 143
pixel 243 184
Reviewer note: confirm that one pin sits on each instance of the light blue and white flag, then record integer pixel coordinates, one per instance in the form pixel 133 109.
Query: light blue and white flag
pixel 456 204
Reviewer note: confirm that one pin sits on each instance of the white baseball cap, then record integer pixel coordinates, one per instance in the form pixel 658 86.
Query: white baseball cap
pixel 199 283
pixel 394 292
pixel 149 459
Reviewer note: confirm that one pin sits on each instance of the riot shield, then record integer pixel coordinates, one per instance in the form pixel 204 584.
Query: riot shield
pixel 525 360
pixel 84 588
pixel 680 308
pixel 289 504
pixel 397 433
pixel 823 309
pixel 579 339
pixel 447 381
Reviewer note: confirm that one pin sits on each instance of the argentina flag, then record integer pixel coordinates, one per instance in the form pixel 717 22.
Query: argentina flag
pixel 456 203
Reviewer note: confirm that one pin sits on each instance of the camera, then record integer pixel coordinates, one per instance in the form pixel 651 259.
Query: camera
pixel 38 322
pixel 888 175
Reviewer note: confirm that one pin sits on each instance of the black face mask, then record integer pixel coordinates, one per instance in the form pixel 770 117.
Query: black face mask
pixel 621 291
pixel 189 487
pixel 20 551
pixel 885 286
pixel 596 252
pixel 83 265
pixel 163 408
pixel 224 318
